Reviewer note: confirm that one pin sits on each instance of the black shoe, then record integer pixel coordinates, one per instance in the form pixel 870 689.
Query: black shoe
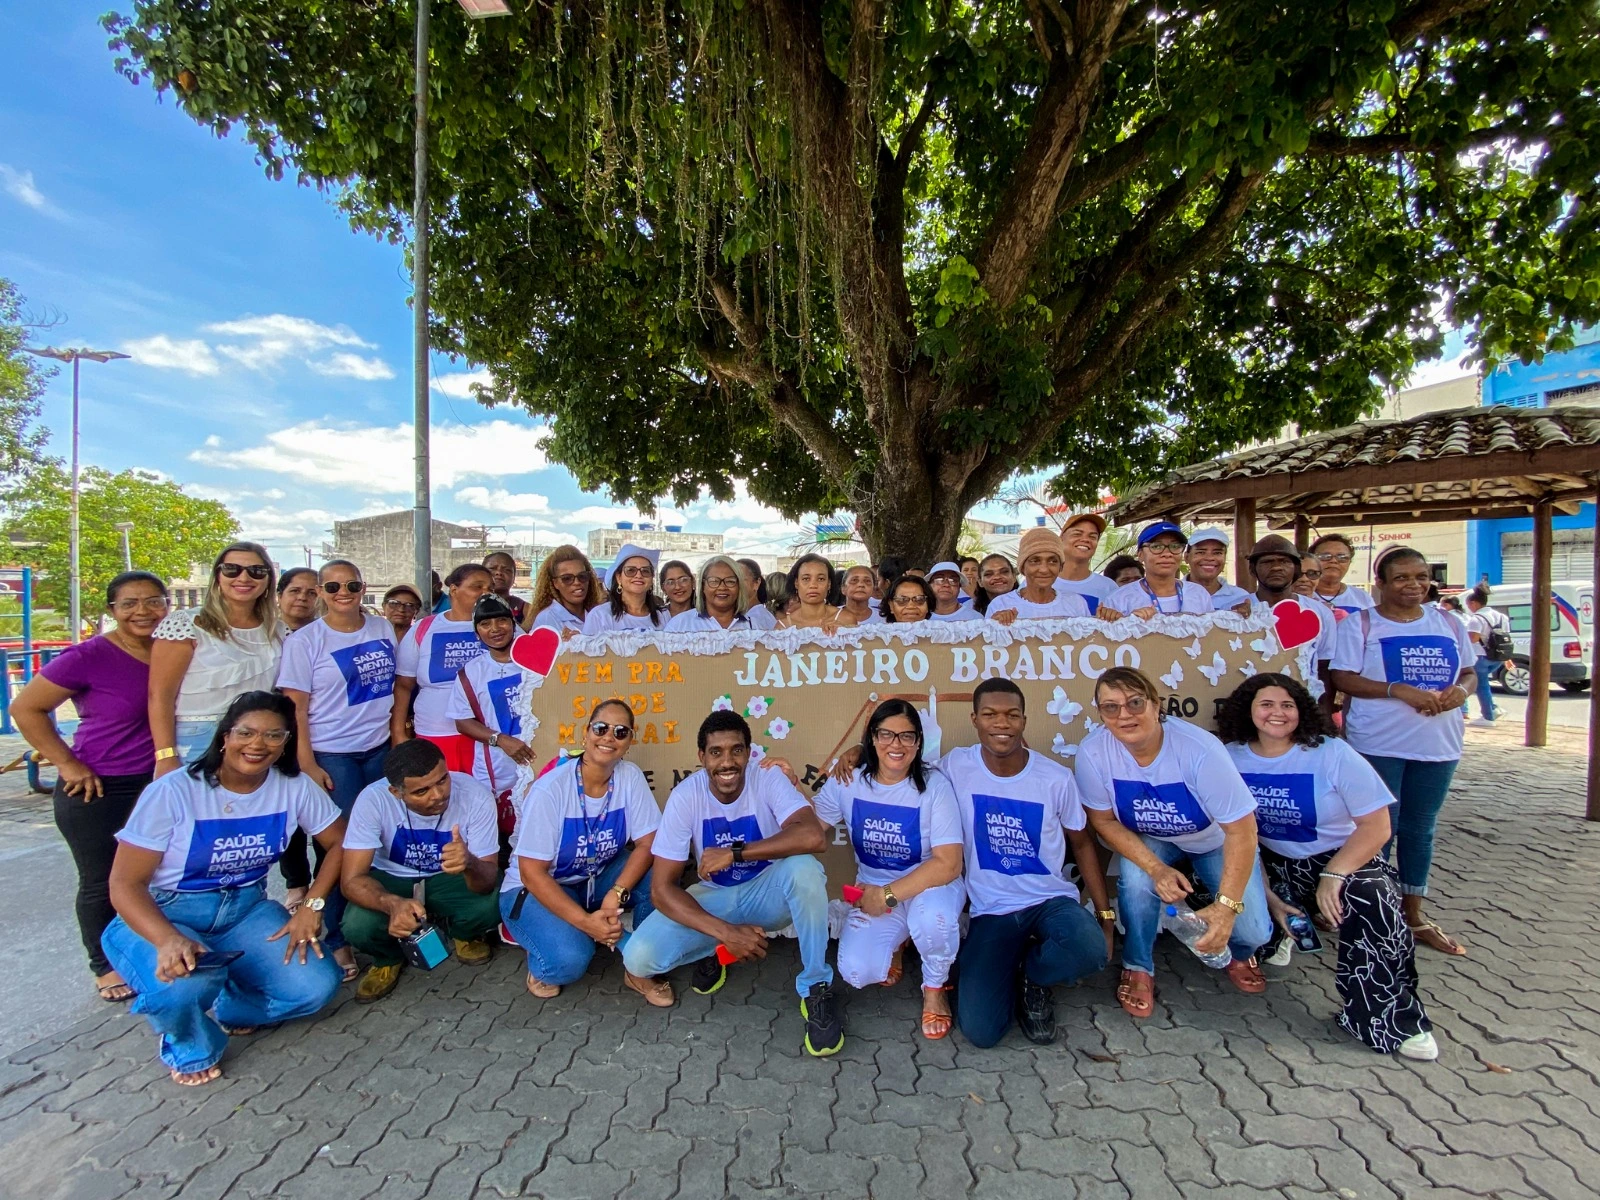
pixel 1036 1012
pixel 824 1023
pixel 709 976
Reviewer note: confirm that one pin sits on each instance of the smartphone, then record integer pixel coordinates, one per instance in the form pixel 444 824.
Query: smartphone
pixel 213 960
pixel 1304 933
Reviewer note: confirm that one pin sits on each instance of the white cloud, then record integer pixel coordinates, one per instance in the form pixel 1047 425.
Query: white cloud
pixel 279 527
pixel 543 535
pixel 498 500
pixel 596 516
pixel 190 355
pixel 19 186
pixel 742 508
pixel 458 384
pixel 376 460
pixel 275 337
pixel 774 537
pixel 352 366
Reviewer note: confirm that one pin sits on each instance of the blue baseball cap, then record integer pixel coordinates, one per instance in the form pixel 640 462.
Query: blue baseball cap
pixel 1156 528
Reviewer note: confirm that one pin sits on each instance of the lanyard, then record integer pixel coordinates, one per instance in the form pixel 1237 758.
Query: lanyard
pixel 1156 600
pixel 592 826
pixel 437 824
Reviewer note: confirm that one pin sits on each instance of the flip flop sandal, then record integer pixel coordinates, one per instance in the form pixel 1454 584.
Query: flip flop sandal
pixel 937 1025
pixel 116 993
pixel 1430 935
pixel 1136 992
pixel 245 1030
pixel 195 1078
pixel 1245 974
pixel 897 969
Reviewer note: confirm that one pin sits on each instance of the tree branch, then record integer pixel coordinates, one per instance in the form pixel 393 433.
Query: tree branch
pixel 1094 175
pixel 1332 144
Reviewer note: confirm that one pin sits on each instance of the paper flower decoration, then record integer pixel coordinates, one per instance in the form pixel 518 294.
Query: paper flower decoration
pixel 757 706
pixel 779 728
pixel 723 703
pixel 757 752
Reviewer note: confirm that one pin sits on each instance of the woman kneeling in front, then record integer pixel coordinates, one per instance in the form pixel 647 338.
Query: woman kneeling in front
pixel 905 830
pixel 1323 817
pixel 1161 793
pixel 194 929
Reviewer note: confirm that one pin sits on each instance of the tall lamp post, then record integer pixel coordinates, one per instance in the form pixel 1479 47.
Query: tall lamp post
pixel 125 528
pixel 75 355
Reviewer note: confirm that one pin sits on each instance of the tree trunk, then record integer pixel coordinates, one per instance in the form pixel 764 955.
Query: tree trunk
pixel 907 511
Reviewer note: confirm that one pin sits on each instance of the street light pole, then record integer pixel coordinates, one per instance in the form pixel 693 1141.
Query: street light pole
pixel 125 528
pixel 75 356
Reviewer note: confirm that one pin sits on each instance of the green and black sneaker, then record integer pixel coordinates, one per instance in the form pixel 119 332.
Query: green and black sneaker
pixel 709 976
pixel 824 1024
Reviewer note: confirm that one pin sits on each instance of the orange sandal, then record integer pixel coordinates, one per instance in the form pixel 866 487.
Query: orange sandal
pixel 936 1025
pixel 1136 992
pixel 897 968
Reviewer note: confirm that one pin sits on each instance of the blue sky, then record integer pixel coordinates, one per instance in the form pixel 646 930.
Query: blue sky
pixel 271 343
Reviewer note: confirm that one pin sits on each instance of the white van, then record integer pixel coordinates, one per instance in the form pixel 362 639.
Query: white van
pixel 1571 633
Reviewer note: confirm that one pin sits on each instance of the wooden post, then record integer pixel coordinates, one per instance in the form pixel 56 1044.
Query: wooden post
pixel 1536 731
pixel 1592 808
pixel 1302 533
pixel 1244 538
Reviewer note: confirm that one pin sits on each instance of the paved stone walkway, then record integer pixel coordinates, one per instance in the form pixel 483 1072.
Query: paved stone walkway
pixel 460 1085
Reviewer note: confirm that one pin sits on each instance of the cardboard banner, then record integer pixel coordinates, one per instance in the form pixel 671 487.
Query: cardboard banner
pixel 808 696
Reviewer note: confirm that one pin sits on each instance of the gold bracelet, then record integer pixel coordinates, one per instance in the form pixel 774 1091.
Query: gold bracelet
pixel 1236 905
pixel 165 753
pixel 1106 914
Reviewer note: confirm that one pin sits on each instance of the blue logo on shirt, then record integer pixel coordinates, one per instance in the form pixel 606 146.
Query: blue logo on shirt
pixel 501 693
pixel 1008 834
pixel 719 831
pixel 368 671
pixel 1422 660
pixel 1163 810
pixel 418 849
pixel 233 851
pixel 587 848
pixel 1286 806
pixel 449 653
pixel 887 837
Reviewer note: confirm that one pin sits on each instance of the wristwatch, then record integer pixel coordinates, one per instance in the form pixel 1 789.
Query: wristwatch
pixel 315 903
pixel 738 851
pixel 623 895
pixel 494 739
pixel 890 900
pixel 1106 914
pixel 1236 905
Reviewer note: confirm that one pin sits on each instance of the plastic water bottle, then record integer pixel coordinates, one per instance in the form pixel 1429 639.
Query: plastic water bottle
pixel 1185 925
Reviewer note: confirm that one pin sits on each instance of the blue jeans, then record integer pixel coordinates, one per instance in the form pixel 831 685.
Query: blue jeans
pixel 792 891
pixel 1419 789
pixel 350 773
pixel 560 953
pixel 258 989
pixel 1056 941
pixel 190 739
pixel 1140 908
pixel 1485 669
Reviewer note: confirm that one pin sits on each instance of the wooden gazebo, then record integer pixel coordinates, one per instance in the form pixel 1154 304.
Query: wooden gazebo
pixel 1453 465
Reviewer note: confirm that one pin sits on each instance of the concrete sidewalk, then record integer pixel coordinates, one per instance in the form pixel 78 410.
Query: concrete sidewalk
pixel 460 1085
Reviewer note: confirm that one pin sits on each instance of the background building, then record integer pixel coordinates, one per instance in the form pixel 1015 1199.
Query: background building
pixel 382 546
pixel 671 540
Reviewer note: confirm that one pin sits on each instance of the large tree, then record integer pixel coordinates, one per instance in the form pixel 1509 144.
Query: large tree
pixel 878 255
pixel 172 530
pixel 22 383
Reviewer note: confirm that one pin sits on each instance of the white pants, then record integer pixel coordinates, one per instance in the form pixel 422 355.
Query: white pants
pixel 931 918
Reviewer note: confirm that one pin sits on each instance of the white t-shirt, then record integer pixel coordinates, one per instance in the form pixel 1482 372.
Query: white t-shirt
pixel 1478 624
pixel 1130 597
pixel 1427 653
pixel 693 622
pixel 1093 587
pixel 1308 799
pixel 1326 639
pixel 557 615
pixel 600 620
pixel 1348 600
pixel 409 845
pixel 577 834
pixel 762 617
pixel 350 679
pixel 1229 596
pixel 1014 829
pixel 892 829
pixel 964 612
pixel 220 671
pixel 1066 604
pixel 210 838
pixel 496 685
pixel 1184 797
pixel 694 818
pixel 432 656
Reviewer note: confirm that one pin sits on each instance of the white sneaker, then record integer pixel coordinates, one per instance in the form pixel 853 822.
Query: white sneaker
pixel 1480 721
pixel 1421 1047
pixel 1280 956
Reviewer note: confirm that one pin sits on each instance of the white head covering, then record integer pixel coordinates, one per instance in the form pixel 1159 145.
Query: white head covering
pixel 1209 534
pixel 629 550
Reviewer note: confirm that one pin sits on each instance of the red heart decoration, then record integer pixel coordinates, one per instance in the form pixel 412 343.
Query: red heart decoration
pixel 536 650
pixel 1296 625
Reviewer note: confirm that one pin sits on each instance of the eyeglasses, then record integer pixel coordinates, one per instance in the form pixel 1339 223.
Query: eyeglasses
pixel 272 737
pixel 1334 558
pixel 637 572
pixel 1170 549
pixel 913 599
pixel 147 603
pixel 621 732
pixel 350 585
pixel 1133 707
pixel 888 737
pixel 569 580
pixel 720 584
pixel 404 606
pixel 234 570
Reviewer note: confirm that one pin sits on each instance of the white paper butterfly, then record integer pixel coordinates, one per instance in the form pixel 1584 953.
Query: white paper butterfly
pixel 1193 649
pixel 1061 747
pixel 1175 677
pixel 1262 645
pixel 1063 707
pixel 1234 643
pixel 1249 668
pixel 1216 670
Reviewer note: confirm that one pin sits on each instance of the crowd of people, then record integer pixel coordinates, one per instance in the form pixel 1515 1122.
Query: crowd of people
pixel 376 761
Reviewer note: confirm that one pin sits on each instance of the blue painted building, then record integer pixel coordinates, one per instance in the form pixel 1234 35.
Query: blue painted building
pixel 1503 549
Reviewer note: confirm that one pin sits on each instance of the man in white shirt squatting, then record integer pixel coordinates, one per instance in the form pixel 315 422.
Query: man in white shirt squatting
pixel 754 836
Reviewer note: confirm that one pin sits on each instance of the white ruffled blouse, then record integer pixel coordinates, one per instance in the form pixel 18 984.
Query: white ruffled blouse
pixel 221 670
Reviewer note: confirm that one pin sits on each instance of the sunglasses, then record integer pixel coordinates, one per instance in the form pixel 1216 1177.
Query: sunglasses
pixel 350 585
pixel 234 570
pixel 569 580
pixel 620 732
pixel 637 572
pixel 1134 706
